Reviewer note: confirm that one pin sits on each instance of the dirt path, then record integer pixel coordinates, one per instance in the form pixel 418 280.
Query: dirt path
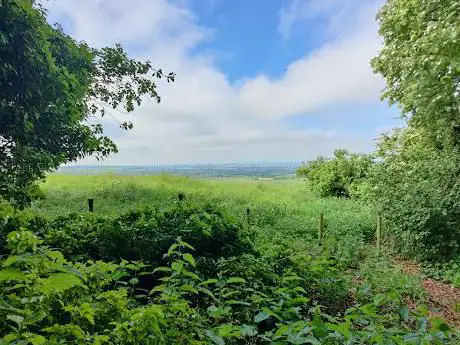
pixel 443 299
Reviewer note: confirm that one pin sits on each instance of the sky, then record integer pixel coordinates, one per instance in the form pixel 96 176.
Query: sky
pixel 257 80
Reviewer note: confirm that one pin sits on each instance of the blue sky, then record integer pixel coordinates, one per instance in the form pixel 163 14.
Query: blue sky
pixel 260 80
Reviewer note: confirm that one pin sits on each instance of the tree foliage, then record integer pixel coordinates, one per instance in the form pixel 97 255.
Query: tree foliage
pixel 340 176
pixel 418 190
pixel 51 89
pixel 420 61
pixel 417 183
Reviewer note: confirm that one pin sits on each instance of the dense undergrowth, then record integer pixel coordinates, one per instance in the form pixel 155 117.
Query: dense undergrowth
pixel 201 271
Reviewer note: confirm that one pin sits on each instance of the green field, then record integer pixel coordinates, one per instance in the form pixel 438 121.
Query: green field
pixel 279 210
pixel 257 277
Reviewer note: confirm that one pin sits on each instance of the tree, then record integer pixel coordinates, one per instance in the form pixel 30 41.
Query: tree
pixel 417 181
pixel 340 176
pixel 420 61
pixel 50 87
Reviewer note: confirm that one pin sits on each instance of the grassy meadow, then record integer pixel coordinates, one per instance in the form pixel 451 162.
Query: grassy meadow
pixel 280 210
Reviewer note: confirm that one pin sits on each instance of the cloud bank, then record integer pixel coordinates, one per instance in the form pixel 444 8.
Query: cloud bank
pixel 204 117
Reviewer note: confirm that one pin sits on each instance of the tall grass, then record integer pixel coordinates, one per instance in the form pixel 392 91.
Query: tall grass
pixel 283 212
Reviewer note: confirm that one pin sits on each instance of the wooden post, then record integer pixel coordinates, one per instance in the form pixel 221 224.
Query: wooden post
pixel 248 214
pixel 181 196
pixel 91 205
pixel 321 229
pixel 378 234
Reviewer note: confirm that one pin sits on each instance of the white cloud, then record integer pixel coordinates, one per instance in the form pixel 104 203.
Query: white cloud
pixel 336 16
pixel 205 118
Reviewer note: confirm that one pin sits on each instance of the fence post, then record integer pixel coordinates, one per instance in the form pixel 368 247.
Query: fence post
pixel 321 229
pixel 181 196
pixel 378 234
pixel 91 205
pixel 248 214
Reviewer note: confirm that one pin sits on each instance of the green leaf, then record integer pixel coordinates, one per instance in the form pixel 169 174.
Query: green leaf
pixel 207 292
pixel 189 258
pixel 236 280
pixel 378 299
pixel 189 288
pixel 61 282
pixel 177 266
pixel 190 275
pixel 11 274
pixel 342 328
pixel 248 331
pixel 162 269
pixel 186 245
pixel 16 319
pixel 214 338
pixel 209 281
pixel 9 338
pixel 261 317
pixel 283 329
pixel 172 249
pixel 133 281
pixel 37 339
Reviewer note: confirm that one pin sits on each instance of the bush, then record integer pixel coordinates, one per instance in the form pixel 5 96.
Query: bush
pixel 418 190
pixel 339 176
pixel 138 235
pixel 49 300
pixel 146 234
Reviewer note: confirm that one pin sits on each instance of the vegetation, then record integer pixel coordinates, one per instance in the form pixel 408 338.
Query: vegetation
pixel 417 185
pixel 230 261
pixel 50 86
pixel 415 179
pixel 268 282
pixel 340 176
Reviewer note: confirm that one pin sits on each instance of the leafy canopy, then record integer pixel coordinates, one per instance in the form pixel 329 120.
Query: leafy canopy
pixel 339 176
pixel 420 61
pixel 51 89
pixel 417 183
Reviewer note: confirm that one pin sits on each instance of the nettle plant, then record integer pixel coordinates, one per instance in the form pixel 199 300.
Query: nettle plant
pixel 47 299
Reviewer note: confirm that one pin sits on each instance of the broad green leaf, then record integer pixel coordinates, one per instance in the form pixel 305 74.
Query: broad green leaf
pixel 186 245
pixel 12 274
pixel 16 319
pixel 189 274
pixel 61 282
pixel 261 316
pixel 162 269
pixel 177 266
pixel 209 281
pixel 214 338
pixel 37 339
pixel 342 328
pixel 172 249
pixel 248 331
pixel 189 288
pixel 236 280
pixel 404 312
pixel 189 258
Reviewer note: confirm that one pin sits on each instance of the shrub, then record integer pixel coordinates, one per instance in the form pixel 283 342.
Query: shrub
pixel 418 190
pixel 339 176
pixel 49 300
pixel 138 235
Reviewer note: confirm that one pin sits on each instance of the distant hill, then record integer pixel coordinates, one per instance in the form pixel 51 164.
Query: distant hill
pixel 263 170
